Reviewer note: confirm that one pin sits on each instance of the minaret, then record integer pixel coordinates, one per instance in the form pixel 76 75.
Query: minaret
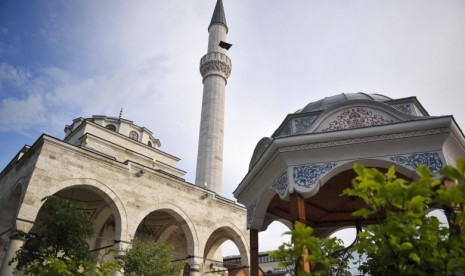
pixel 215 68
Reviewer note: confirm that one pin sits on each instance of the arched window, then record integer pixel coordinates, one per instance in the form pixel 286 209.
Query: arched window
pixel 150 144
pixel 111 127
pixel 133 135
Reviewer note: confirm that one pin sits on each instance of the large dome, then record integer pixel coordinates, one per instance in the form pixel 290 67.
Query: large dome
pixel 343 112
pixel 331 101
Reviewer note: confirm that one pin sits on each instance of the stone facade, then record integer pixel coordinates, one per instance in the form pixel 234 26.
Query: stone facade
pixel 130 188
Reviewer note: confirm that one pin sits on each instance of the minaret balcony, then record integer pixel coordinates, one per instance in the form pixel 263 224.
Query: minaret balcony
pixel 215 63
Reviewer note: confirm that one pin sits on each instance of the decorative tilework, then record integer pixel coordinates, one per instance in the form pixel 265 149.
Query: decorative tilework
pixel 404 108
pixel 356 117
pixel 268 220
pixel 307 176
pixel 430 159
pixel 302 123
pixel 251 213
pixel 280 185
pixel 286 131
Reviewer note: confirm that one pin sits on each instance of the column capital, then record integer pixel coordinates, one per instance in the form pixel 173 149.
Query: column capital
pixel 23 225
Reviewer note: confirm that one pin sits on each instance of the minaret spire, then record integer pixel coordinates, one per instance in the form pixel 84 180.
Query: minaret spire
pixel 218 15
pixel 215 68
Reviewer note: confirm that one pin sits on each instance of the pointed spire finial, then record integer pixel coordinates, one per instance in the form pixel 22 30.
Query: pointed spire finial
pixel 219 16
pixel 121 113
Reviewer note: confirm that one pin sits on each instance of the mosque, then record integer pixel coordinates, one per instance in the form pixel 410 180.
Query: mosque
pixel 134 189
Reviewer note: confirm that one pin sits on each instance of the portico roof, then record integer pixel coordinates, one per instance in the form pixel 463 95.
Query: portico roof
pixel 317 161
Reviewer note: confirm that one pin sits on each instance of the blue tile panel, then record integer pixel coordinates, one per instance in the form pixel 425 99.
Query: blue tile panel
pixel 306 176
pixel 430 159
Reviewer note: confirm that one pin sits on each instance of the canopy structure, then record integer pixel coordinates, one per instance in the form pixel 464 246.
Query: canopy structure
pixel 299 173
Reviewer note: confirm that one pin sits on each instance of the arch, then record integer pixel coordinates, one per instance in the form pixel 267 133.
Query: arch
pixel 111 127
pixel 257 211
pixel 180 216
pixel 283 221
pixel 11 207
pixel 221 233
pixel 99 188
pixel 102 217
pixel 8 214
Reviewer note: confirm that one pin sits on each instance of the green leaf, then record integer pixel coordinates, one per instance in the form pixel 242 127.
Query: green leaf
pixel 414 257
pixel 365 213
pixel 451 172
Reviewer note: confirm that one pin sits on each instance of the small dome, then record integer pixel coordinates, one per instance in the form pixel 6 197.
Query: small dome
pixel 331 101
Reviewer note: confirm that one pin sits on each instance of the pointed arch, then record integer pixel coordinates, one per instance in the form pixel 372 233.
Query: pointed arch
pixel 181 217
pixel 226 231
pixel 30 211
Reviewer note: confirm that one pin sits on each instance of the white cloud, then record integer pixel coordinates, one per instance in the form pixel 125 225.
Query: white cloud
pixel 12 75
pixel 20 114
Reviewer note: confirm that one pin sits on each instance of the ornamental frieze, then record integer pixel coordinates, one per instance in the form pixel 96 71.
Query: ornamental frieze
pixel 429 159
pixel 356 117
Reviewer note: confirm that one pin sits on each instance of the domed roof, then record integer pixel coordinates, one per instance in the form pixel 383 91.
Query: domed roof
pixel 331 101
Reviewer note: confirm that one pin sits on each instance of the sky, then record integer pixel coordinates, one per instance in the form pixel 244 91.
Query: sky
pixel 61 60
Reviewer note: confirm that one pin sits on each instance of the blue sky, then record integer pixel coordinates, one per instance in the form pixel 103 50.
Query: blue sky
pixel 60 60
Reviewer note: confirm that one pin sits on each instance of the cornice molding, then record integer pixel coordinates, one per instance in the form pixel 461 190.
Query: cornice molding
pixel 368 139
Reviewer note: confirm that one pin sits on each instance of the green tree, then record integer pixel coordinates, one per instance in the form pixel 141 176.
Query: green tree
pixel 57 245
pixel 405 240
pixel 322 253
pixel 149 258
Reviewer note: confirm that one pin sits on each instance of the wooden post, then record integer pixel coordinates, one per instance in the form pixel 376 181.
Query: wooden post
pixel 254 252
pixel 297 210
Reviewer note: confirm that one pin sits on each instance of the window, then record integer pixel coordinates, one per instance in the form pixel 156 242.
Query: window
pixel 133 135
pixel 150 144
pixel 111 127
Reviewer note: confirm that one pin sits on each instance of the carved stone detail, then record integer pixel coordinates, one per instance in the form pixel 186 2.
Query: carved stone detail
pixel 355 118
pixel 215 64
pixel 367 139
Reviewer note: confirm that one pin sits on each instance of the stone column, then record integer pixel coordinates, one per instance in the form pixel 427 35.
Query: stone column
pixel 195 265
pixel 120 248
pixel 13 245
